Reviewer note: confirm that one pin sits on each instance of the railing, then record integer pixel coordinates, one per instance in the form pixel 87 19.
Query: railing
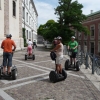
pixel 90 61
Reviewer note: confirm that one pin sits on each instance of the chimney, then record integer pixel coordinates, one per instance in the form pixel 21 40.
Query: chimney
pixel 91 11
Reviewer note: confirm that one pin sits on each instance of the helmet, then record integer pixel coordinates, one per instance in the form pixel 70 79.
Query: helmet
pixel 73 37
pixel 59 38
pixel 8 36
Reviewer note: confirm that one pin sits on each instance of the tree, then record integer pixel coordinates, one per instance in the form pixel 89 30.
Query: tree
pixel 48 30
pixel 70 18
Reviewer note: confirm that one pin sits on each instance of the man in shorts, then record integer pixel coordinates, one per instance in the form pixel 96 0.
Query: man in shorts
pixel 72 45
pixel 7 46
pixel 59 54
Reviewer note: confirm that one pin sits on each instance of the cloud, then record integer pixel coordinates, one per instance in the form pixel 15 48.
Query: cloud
pixel 45 12
pixel 45 8
pixel 90 5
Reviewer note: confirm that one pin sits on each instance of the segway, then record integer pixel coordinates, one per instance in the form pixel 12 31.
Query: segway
pixel 68 63
pixel 54 76
pixel 13 74
pixel 29 56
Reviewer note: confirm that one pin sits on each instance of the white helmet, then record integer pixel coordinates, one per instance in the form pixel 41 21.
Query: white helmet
pixel 59 38
pixel 73 37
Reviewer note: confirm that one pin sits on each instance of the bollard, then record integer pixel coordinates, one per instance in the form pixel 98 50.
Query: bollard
pixel 81 57
pixel 86 61
pixel 93 63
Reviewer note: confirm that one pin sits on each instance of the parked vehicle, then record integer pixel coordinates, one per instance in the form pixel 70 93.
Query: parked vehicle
pixel 47 44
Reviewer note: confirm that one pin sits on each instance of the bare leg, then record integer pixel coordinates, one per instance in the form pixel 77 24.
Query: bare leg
pixel 9 69
pixel 4 69
pixel 60 68
pixel 57 66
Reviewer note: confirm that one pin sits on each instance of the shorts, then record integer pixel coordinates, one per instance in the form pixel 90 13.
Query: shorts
pixel 7 59
pixel 73 55
pixel 59 59
pixel 29 49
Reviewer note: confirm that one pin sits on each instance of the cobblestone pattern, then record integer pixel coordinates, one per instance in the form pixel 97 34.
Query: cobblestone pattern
pixel 73 88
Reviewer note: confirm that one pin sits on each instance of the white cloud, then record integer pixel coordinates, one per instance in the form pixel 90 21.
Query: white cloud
pixel 45 12
pixel 90 5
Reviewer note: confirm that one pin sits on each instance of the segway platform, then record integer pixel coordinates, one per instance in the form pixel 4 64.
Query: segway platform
pixel 13 74
pixel 68 66
pixel 29 57
pixel 54 77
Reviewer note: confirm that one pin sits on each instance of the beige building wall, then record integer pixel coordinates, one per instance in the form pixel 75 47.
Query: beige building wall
pixel 11 24
pixel 2 20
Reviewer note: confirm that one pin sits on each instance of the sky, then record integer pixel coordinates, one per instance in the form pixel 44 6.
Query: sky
pixel 45 8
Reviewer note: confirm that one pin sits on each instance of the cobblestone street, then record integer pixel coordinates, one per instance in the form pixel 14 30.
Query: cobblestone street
pixel 33 82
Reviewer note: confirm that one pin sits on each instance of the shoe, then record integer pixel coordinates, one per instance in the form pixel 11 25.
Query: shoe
pixel 9 74
pixel 60 75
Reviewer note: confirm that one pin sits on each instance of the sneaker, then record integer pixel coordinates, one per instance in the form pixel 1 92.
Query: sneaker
pixel 60 75
pixel 9 74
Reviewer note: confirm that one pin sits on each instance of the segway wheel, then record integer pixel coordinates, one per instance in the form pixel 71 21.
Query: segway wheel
pixel 53 76
pixel 25 57
pixel 0 73
pixel 33 57
pixel 66 64
pixel 77 66
pixel 14 74
pixel 64 74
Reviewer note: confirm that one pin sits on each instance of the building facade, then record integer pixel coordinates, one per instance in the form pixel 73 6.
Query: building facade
pixel 11 21
pixel 92 41
pixel 29 19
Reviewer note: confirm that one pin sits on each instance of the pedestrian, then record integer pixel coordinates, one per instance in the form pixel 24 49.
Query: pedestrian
pixel 29 47
pixel 34 43
pixel 59 54
pixel 72 45
pixel 7 46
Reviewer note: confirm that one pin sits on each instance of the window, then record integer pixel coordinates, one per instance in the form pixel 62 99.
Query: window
pixel 0 4
pixel 14 8
pixel 92 31
pixel 27 17
pixel 30 35
pixel 23 12
pixel 85 43
pixel 27 34
pixel 29 20
pixel 99 30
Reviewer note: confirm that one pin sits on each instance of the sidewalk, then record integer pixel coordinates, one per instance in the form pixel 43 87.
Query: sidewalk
pixel 94 78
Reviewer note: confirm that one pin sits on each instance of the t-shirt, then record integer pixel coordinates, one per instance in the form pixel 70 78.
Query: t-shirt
pixel 72 44
pixel 7 45
pixel 29 43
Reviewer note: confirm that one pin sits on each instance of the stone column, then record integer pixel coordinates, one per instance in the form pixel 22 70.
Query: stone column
pixel 6 17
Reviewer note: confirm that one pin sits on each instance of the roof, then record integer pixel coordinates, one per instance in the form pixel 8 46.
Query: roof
pixel 92 14
pixel 34 7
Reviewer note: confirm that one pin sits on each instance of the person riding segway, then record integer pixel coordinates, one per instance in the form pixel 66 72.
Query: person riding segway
pixel 29 54
pixel 7 46
pixel 72 49
pixel 59 74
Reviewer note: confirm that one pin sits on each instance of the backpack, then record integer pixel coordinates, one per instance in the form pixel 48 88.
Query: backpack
pixel 53 55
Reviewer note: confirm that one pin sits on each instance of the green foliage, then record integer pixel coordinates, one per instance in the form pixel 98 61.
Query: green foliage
pixel 70 20
pixel 25 44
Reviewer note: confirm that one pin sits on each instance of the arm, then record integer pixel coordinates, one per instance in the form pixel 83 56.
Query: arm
pixel 2 45
pixel 14 46
pixel 76 46
pixel 56 48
